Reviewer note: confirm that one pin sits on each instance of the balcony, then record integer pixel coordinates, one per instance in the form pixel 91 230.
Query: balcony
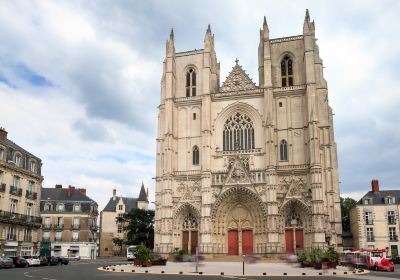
pixel 75 226
pixel 58 226
pixel 2 187
pixel 393 237
pixel 75 239
pixel 15 191
pixel 391 221
pixel 31 195
pixel 46 239
pixel 47 226
pixel 369 222
pixel 12 237
pixel 20 219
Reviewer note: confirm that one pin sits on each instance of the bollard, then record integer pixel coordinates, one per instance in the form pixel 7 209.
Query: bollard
pixel 162 271
pixel 200 272
pixel 146 271
pixel 122 270
pixel 303 273
pixel 222 273
pixel 345 272
pixel 133 270
pixel 113 269
pixel 284 273
pixel 320 273
pixel 264 273
pixel 180 272
pixel 334 273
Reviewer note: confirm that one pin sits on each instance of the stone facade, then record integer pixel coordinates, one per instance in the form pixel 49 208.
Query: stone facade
pixel 20 182
pixel 110 229
pixel 69 220
pixel 246 168
pixel 374 220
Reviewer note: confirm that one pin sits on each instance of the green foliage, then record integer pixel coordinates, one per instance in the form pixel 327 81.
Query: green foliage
pixel 331 254
pixel 345 205
pixel 301 257
pixel 143 253
pixel 139 225
pixel 316 254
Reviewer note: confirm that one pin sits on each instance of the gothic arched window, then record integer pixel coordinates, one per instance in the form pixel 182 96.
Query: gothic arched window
pixel 190 83
pixel 283 150
pixel 287 71
pixel 238 133
pixel 196 155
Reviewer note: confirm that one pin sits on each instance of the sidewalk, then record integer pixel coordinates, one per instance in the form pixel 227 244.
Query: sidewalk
pixel 230 268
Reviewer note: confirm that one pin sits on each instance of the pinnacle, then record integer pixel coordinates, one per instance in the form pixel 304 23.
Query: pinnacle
pixel 209 29
pixel 171 35
pixel 307 18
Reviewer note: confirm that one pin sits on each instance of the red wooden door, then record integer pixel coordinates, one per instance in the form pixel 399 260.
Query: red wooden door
pixel 185 240
pixel 233 248
pixel 247 242
pixel 299 240
pixel 193 241
pixel 289 241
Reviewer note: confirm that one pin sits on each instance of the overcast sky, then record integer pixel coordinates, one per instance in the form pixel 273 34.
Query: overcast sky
pixel 80 80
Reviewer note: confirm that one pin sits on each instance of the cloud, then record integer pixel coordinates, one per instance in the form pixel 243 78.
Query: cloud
pixel 80 80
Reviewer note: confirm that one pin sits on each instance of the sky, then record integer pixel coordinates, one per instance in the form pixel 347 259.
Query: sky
pixel 80 81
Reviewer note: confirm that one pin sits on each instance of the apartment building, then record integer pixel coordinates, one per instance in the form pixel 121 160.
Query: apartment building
pixel 20 182
pixel 374 220
pixel 69 222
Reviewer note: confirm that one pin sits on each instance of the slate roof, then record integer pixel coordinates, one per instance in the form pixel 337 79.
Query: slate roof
pixel 130 203
pixel 379 197
pixel 142 194
pixel 10 144
pixel 54 194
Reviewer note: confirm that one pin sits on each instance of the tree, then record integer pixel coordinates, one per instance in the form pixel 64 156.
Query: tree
pixel 139 225
pixel 118 242
pixel 345 205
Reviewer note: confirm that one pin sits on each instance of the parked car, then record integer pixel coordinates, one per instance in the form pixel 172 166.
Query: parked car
pixel 6 262
pixel 63 260
pixel 52 260
pixel 32 260
pixel 44 261
pixel 19 262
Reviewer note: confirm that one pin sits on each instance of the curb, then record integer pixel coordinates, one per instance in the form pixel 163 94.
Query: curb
pixel 113 268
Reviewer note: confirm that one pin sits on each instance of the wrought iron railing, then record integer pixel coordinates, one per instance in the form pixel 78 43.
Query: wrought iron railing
pixel 75 226
pixel 15 218
pixel 12 237
pixel 393 237
pixel 31 195
pixel 15 191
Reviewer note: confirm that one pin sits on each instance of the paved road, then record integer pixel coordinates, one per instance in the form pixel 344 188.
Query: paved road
pixel 87 270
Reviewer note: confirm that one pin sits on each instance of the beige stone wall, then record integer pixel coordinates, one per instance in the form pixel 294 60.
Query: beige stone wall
pixel 380 226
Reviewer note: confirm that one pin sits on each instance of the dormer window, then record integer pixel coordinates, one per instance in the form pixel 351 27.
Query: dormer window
pixel 120 207
pixel 190 83
pixel 60 207
pixel 390 200
pixel 17 160
pixel 47 207
pixel 367 201
pixel 2 153
pixel 77 208
pixel 32 166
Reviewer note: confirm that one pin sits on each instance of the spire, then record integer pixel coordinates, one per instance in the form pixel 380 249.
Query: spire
pixel 142 194
pixel 208 39
pixel 170 46
pixel 264 32
pixel 306 25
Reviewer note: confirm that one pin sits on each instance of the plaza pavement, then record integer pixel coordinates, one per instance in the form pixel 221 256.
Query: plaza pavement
pixel 231 268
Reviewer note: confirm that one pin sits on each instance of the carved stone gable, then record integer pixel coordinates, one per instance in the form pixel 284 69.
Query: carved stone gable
pixel 238 171
pixel 237 80
pixel 295 187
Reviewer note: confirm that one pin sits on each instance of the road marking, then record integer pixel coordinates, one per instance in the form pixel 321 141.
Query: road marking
pixel 27 275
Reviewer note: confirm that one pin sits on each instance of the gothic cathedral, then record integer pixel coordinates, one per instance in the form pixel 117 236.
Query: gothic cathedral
pixel 245 168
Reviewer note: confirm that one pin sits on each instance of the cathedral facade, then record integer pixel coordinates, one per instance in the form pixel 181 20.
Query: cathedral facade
pixel 245 168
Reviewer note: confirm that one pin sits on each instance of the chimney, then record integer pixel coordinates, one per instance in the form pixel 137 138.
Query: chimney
pixel 375 185
pixel 58 186
pixel 82 191
pixel 114 194
pixel 3 133
pixel 70 190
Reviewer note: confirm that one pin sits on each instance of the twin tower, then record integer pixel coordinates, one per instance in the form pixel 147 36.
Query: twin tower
pixel 245 168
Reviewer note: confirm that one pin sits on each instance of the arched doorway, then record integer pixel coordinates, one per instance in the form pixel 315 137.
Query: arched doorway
pixel 187 226
pixel 238 222
pixel 296 219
